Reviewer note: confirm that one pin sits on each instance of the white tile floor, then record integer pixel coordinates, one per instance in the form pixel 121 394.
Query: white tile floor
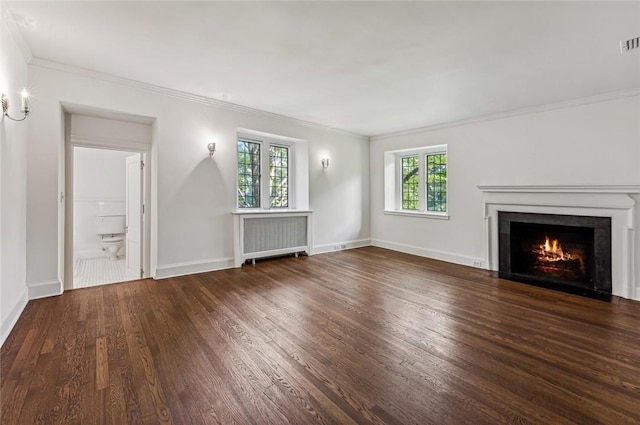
pixel 98 271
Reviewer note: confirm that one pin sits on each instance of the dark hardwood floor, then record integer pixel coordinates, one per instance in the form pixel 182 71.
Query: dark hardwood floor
pixel 366 336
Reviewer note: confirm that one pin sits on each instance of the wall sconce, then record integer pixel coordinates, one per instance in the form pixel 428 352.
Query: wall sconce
pixel 212 149
pixel 325 162
pixel 24 108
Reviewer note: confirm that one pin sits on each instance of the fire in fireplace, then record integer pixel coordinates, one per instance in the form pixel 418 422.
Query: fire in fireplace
pixel 570 253
pixel 551 259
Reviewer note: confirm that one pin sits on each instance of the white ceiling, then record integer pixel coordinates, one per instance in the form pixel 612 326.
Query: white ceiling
pixel 366 67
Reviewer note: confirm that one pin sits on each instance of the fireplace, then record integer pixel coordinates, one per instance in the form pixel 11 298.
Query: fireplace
pixel 563 252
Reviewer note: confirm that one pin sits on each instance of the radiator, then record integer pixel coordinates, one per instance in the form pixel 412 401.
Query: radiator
pixel 259 235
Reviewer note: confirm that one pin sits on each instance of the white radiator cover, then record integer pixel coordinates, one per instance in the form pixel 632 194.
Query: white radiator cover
pixel 265 234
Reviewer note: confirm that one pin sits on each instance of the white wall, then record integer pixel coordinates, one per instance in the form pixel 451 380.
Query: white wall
pixel 107 131
pixel 13 188
pixel 591 144
pixel 195 194
pixel 99 175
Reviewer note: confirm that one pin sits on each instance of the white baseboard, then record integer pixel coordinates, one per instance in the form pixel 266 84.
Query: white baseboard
pixel 430 253
pixel 192 267
pixel 44 289
pixel 11 318
pixel 339 246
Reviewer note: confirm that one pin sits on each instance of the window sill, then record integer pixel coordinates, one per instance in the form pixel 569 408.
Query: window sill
pixel 270 211
pixel 422 214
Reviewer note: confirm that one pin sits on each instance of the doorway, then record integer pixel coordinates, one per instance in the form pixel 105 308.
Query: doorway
pixel 107 216
pixel 106 227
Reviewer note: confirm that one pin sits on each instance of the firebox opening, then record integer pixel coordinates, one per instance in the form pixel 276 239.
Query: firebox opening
pixel 563 252
pixel 553 252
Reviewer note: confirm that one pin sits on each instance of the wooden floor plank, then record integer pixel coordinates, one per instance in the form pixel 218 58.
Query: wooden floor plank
pixel 366 336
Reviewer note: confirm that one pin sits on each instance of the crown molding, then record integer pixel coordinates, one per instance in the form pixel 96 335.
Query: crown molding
pixel 10 23
pixel 526 111
pixel 195 98
pixel 178 94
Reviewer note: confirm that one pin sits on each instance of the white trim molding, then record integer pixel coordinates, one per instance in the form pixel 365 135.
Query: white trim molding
pixel 606 97
pixel 630 189
pixel 449 257
pixel 10 319
pixel 44 289
pixel 419 214
pixel 109 142
pixel 614 201
pixel 192 267
pixel 178 94
pixel 340 246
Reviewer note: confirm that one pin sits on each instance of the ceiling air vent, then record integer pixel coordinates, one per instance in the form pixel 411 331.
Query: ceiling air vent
pixel 630 44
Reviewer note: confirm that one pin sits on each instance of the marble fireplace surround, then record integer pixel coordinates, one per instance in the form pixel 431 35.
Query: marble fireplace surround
pixel 616 202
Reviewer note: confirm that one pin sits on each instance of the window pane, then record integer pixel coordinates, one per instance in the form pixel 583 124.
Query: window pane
pixel 279 176
pixel 410 183
pixel 248 174
pixel 437 182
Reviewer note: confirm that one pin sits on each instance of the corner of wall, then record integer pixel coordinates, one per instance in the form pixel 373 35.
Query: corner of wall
pixel 192 267
pixel 13 154
pixel 340 246
pixel 11 318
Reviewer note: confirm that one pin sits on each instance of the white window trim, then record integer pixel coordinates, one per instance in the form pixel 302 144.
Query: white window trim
pixel 265 193
pixel 393 182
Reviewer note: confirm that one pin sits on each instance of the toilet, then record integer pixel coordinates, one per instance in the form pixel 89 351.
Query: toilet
pixel 111 231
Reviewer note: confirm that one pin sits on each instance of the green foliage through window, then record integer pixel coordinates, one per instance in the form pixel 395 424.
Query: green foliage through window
pixel 437 182
pixel 410 183
pixel 251 165
pixel 279 176
pixel 423 180
pixel 248 174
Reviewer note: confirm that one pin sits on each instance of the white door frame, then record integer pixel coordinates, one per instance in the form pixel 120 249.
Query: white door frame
pixel 134 222
pixel 72 142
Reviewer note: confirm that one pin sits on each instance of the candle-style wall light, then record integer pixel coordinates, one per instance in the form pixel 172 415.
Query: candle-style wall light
pixel 24 106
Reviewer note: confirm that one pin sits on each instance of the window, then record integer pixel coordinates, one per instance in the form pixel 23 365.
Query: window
pixel 437 182
pixel 410 183
pixel 248 174
pixel 416 181
pixel 279 176
pixel 252 165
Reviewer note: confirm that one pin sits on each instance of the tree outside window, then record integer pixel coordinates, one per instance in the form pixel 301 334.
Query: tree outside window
pixel 248 174
pixel 416 180
pixel 252 165
pixel 437 182
pixel 410 183
pixel 279 176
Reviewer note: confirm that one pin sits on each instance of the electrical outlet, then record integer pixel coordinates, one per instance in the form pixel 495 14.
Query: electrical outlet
pixel 477 263
pixel 343 247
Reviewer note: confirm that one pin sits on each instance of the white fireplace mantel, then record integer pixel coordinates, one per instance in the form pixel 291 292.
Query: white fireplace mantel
pixel 612 201
pixel 626 189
